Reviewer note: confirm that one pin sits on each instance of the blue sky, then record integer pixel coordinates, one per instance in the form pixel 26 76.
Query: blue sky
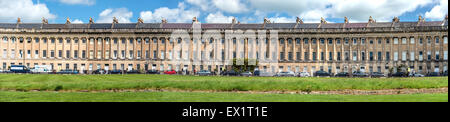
pixel 220 11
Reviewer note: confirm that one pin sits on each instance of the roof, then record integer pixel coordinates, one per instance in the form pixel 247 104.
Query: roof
pixel 222 25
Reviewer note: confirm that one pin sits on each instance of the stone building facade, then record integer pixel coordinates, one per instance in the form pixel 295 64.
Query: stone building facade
pixel 374 46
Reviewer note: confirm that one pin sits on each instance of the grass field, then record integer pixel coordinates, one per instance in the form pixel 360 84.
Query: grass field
pixel 117 82
pixel 208 97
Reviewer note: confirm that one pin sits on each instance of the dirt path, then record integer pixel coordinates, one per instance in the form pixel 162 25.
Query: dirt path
pixel 340 92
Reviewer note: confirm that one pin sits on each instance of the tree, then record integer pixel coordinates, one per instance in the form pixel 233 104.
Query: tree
pixel 245 67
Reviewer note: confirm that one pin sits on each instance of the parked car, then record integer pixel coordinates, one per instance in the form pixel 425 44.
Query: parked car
pixel 98 71
pixel 153 72
pixel 377 75
pixel 172 72
pixel 19 69
pixel 399 74
pixel 67 71
pixel 133 72
pixel 204 73
pixel 116 72
pixel 417 75
pixel 247 74
pixel 322 74
pixel 342 74
pixel 41 69
pixel 230 73
pixel 445 73
pixel 303 74
pixel 433 74
pixel 263 74
pixel 360 74
pixel 286 74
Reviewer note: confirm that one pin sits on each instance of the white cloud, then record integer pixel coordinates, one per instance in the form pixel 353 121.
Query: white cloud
pixel 203 4
pixel 77 21
pixel 439 11
pixel 79 2
pixel 177 15
pixel 218 17
pixel 357 10
pixel 10 10
pixel 282 19
pixel 122 14
pixel 231 6
pixel 382 10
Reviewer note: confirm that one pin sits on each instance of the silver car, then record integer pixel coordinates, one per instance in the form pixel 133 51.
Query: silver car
pixel 247 74
pixel 304 74
pixel 286 74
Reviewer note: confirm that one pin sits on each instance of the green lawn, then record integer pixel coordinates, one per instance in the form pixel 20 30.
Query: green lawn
pixel 208 97
pixel 110 82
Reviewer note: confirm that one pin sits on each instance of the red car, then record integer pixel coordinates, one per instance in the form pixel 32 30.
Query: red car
pixel 170 72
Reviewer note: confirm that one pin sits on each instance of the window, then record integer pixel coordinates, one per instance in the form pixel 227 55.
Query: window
pixel 379 56
pixel 298 55
pixel 83 54
pixel 123 40
pixel 36 40
pixel 281 55
pixel 305 41
pixel 412 40
pixel 155 40
pixel 60 40
pixel 314 41
pixel 67 53
pixel 290 41
pixel 429 56
pixel 115 40
pixel 122 54
pixel 44 53
pixel 75 40
pixel 437 39
pixel 281 41
pixel 404 56
pixel 355 57
pixel 290 56
pixel 446 55
pixel 395 40
pixel 163 41
pixel 60 53
pixel 107 40
pixel 371 56
pixel 75 54
pixel 139 40
pixel 131 54
pixel 388 41
pixel 52 54
pixel 338 41
pixel 420 40
pixel 91 41
pixel 346 41
pixel 371 41
pixel 107 54
pixel 347 56
pixel 45 40
pixel 306 56
pixel 322 56
pixel 5 53
pixel 388 56
pixel 5 39
pixel 99 41
pixel 322 41
pixel 395 56
pixel 363 41
pixel 297 41
pixel 429 40
pixel 330 56
pixel 162 54
pixel 330 41
pixel 339 56
pixel 99 54
pixel 403 40
pixel 314 56
pixel 114 54
pixel 412 56
pixel 138 54
pixel 13 53
pixel 83 41
pixel 91 54
pixel 420 56
pixel 379 40
pixel 363 56
pixel 437 55
pixel 28 53
pixel 68 40
pixel 445 40
pixel 355 41
pixel 147 40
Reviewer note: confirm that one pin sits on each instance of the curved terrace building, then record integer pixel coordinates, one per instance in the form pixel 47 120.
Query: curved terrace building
pixel 373 46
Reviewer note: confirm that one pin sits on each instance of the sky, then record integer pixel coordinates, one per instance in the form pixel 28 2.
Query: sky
pixel 220 11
